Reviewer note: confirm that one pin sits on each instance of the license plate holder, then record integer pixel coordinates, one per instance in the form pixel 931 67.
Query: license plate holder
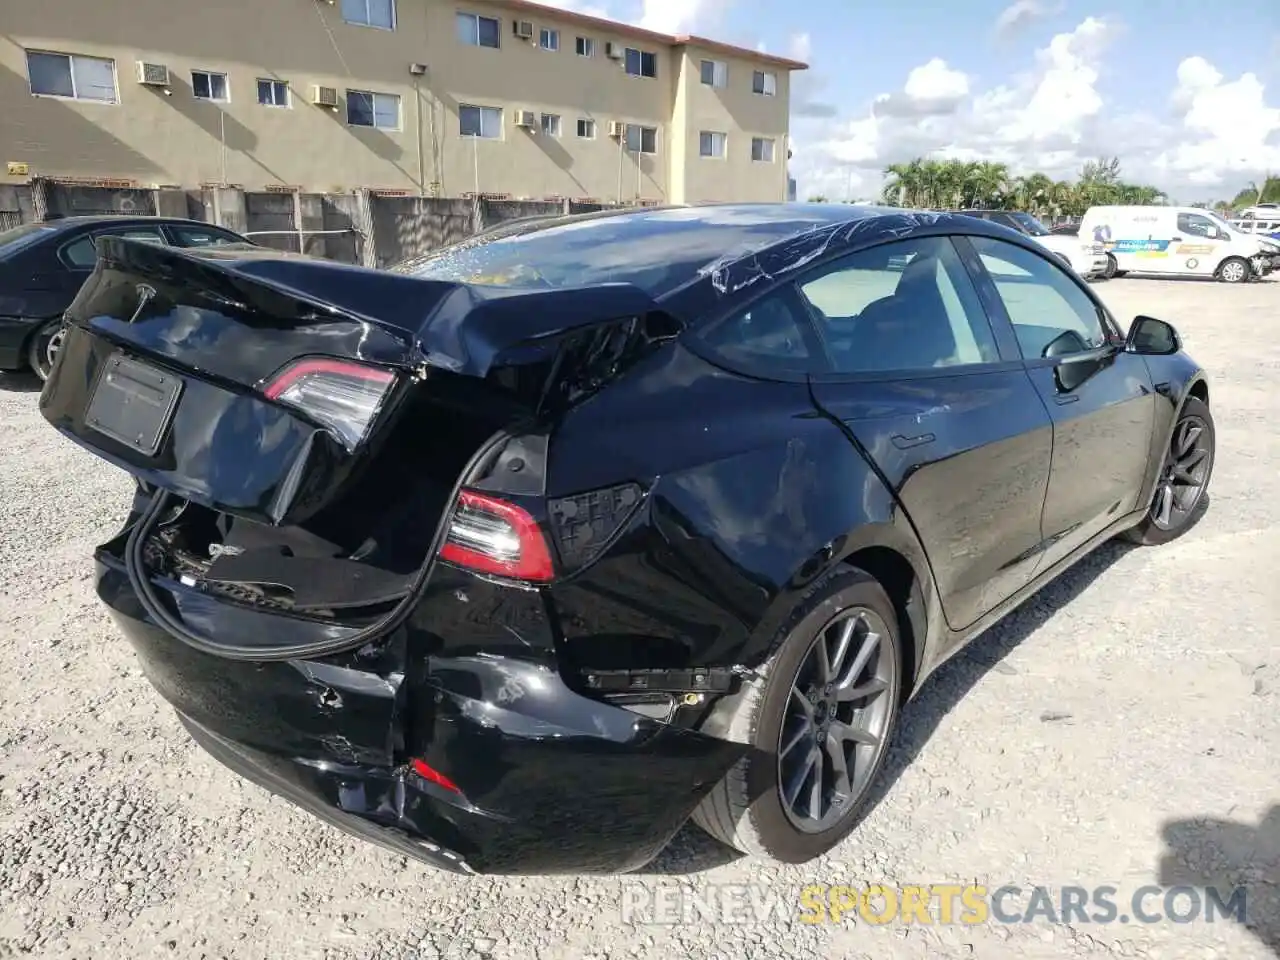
pixel 133 403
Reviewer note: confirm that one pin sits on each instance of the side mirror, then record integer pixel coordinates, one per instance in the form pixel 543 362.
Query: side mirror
pixel 1152 337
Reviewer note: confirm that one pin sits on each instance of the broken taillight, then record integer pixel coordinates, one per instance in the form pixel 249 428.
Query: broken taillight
pixel 342 396
pixel 432 775
pixel 489 535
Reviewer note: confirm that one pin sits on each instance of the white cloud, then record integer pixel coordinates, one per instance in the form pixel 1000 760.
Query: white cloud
pixel 1062 112
pixel 1227 126
pixel 1023 13
pixel 680 16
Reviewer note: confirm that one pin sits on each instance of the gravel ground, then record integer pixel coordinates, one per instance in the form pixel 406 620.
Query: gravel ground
pixel 1119 729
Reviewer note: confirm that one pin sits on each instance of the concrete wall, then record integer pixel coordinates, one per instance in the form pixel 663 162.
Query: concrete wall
pixel 153 136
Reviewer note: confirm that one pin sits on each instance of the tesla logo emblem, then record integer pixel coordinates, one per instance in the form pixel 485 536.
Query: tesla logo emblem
pixel 146 294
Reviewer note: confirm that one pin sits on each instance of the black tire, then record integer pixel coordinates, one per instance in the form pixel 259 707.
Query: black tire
pixel 42 348
pixel 746 810
pixel 1120 273
pixel 1234 270
pixel 1154 529
pixel 1112 270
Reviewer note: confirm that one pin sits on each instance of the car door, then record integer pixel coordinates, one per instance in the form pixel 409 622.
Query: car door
pixel 1197 244
pixel 940 402
pixel 1100 398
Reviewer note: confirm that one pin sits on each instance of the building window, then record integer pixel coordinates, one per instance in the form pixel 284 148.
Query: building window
pixel 209 86
pixel 79 78
pixel 485 122
pixel 551 124
pixel 762 149
pixel 641 63
pixel 586 129
pixel 642 139
pixel 711 144
pixel 715 73
pixel 370 13
pixel 585 46
pixel 764 83
pixel 479 31
pixel 273 93
pixel 549 39
pixel 365 109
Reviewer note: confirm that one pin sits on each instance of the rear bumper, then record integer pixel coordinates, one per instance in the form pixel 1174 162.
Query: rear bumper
pixel 14 332
pixel 549 781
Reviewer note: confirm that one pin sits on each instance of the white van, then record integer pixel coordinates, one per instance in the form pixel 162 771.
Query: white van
pixel 1186 241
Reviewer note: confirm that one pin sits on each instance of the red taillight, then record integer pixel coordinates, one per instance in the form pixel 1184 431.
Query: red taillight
pixel 343 396
pixel 432 775
pixel 489 535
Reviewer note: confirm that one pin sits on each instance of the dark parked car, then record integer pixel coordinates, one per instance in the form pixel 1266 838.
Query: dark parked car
pixel 518 556
pixel 42 265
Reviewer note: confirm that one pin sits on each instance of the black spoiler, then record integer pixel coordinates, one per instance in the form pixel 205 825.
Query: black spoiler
pixel 455 326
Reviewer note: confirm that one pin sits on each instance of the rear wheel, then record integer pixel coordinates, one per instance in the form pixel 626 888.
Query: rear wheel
pixel 818 722
pixel 1234 270
pixel 44 346
pixel 1113 268
pixel 1183 484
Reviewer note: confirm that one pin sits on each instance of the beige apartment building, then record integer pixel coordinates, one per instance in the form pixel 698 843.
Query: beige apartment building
pixel 438 97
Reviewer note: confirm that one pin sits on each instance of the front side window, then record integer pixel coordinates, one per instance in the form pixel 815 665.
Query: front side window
pixel 75 77
pixel 484 122
pixel 478 31
pixel 184 236
pixel 642 139
pixel 370 13
pixel 380 110
pixel 641 63
pixel 209 86
pixel 711 144
pixel 908 305
pixel 1045 305
pixel 765 83
pixel 762 149
pixel 1196 225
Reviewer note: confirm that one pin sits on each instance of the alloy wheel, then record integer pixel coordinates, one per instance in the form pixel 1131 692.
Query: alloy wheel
pixel 1184 475
pixel 835 725
pixel 1233 271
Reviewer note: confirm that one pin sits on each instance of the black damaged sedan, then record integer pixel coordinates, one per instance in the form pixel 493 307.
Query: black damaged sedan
pixel 517 557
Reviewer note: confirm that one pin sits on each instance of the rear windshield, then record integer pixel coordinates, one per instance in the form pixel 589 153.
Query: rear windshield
pixel 1031 224
pixel 657 250
pixel 19 238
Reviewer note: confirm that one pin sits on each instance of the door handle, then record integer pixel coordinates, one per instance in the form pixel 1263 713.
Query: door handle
pixel 1063 399
pixel 906 443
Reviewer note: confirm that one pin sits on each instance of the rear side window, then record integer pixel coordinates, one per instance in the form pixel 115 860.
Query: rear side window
pixel 900 306
pixel 773 335
pixel 82 254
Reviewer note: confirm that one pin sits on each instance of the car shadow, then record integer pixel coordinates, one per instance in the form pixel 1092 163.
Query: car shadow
pixel 1219 856
pixel 20 381
pixel 693 851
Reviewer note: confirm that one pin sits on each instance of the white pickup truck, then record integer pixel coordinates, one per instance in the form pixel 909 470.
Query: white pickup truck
pixel 1084 257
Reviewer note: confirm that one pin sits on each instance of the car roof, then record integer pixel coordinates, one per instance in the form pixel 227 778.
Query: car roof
pixel 121 219
pixel 661 249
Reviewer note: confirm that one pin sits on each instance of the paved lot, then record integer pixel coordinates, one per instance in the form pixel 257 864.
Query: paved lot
pixel 1120 729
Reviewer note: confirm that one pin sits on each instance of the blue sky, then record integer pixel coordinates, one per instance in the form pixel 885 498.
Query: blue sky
pixel 1188 98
